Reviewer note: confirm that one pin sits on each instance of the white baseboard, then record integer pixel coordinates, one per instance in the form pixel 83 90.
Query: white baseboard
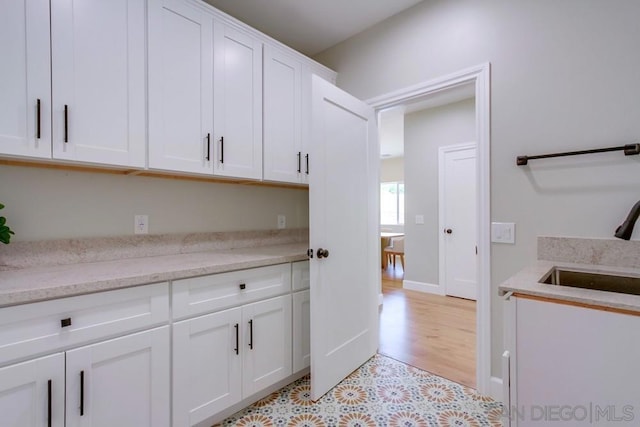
pixel 430 288
pixel 495 389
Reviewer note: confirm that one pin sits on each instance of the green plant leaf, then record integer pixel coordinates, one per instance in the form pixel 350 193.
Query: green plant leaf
pixel 1 206
pixel 3 220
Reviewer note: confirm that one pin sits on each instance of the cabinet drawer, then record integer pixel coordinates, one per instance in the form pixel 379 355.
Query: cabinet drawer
pixel 205 294
pixel 31 329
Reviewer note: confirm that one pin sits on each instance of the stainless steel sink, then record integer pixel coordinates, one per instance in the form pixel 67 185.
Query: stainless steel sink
pixel 610 282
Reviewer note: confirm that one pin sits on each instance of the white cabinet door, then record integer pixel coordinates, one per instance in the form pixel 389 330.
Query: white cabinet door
pixel 284 159
pixel 301 330
pixel 180 87
pixel 238 103
pixel 207 364
pixel 98 50
pixel 122 382
pixel 570 356
pixel 32 393
pixel 267 343
pixel 25 78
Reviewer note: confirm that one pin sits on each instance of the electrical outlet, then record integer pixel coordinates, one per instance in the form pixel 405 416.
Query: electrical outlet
pixel 282 221
pixel 141 224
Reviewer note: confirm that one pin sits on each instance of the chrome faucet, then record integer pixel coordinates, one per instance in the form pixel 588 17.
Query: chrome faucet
pixel 625 230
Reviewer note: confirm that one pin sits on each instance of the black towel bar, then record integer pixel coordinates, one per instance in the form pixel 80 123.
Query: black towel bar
pixel 629 150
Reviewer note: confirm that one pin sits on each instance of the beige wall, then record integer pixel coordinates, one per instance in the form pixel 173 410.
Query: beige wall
pixel 392 169
pixel 50 204
pixel 563 77
pixel 425 132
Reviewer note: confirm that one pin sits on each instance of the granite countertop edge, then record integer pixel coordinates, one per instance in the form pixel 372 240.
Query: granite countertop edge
pixel 45 283
pixel 526 282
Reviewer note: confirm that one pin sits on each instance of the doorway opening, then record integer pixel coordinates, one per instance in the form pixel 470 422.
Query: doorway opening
pixel 473 85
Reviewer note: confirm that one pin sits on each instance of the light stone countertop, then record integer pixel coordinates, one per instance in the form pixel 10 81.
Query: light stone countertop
pixel 42 283
pixel 527 282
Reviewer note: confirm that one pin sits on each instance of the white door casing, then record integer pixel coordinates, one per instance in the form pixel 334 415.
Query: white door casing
pixel 343 218
pixel 457 206
pixel 478 75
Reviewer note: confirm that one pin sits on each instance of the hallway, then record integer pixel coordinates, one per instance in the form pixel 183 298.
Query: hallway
pixel 431 332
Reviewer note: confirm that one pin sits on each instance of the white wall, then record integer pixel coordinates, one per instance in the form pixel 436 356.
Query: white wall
pixel 563 77
pixel 392 169
pixel 425 132
pixel 50 204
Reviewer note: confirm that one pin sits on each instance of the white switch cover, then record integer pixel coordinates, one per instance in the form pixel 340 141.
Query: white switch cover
pixel 419 219
pixel 141 224
pixel 282 221
pixel 503 232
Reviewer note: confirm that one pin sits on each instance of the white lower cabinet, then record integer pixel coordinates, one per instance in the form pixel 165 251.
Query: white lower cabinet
pixel 267 352
pixel 570 364
pixel 32 393
pixel 121 382
pixel 224 357
pixel 301 330
pixel 207 366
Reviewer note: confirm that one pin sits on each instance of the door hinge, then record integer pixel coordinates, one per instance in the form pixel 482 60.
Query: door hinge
pixel 476 249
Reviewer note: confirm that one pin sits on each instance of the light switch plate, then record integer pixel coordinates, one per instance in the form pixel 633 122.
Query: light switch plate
pixel 419 219
pixel 282 221
pixel 503 232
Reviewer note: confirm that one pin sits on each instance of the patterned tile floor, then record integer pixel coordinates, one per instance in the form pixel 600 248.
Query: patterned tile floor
pixel 382 392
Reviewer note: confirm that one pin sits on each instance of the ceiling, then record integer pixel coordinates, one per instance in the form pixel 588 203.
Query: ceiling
pixel 311 26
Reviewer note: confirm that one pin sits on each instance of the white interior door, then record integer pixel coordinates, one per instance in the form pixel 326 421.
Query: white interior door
pixel 343 217
pixel 458 220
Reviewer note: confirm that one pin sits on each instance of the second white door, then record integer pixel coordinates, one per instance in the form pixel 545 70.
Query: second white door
pixel 458 220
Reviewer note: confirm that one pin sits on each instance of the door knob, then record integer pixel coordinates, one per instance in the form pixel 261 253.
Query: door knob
pixel 448 230
pixel 323 253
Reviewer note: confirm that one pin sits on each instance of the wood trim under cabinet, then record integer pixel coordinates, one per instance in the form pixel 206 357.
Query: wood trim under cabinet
pixel 153 174
pixel 577 304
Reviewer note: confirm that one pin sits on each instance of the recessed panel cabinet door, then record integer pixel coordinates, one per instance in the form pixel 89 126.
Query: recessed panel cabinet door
pixel 180 87
pixel 122 382
pixel 32 393
pixel 99 79
pixel 25 78
pixel 343 221
pixel 238 103
pixel 283 154
pixel 267 343
pixel 207 366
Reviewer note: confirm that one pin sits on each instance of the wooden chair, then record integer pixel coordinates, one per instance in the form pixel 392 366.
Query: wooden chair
pixel 396 249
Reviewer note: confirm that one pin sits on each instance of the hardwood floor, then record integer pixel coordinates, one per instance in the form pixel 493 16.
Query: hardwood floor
pixel 431 332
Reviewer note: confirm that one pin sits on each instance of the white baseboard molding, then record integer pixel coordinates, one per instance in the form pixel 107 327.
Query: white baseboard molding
pixel 430 288
pixel 495 389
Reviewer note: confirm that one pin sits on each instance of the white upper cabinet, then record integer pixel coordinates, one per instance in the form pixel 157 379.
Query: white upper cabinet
pixel 238 103
pixel 25 78
pixel 284 159
pixel 99 79
pixel 180 87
